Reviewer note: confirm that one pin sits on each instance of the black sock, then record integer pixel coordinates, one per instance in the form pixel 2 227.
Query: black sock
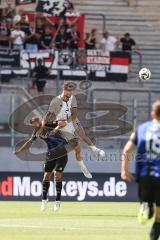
pixel 151 210
pixel 58 190
pixel 45 185
pixel 155 231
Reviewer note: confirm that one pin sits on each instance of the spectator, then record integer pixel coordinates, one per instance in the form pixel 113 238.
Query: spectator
pixel 127 44
pixel 8 13
pixel 10 26
pixel 91 39
pixel 18 37
pixel 18 17
pixel 39 31
pixel 32 42
pixel 70 21
pixel 73 38
pixel 4 35
pixel 109 43
pixel 50 22
pixel 62 22
pixel 24 25
pixel 61 39
pixel 47 38
pixel 70 6
pixel 39 76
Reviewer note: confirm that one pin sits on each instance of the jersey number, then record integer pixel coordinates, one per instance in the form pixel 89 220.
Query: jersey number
pixel 152 143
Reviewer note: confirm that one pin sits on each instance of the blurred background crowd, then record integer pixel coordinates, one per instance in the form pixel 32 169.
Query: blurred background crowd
pixel 40 32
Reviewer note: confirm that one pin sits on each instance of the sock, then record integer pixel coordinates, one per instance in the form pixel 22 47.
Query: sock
pixel 93 147
pixel 81 163
pixel 151 210
pixel 45 188
pixel 155 231
pixel 58 190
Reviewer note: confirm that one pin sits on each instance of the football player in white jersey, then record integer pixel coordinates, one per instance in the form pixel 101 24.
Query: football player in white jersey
pixel 64 107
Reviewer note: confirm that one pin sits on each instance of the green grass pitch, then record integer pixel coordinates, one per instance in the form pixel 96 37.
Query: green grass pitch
pixel 75 221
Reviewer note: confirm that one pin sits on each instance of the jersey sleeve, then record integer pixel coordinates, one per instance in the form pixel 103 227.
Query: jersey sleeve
pixel 133 42
pixel 51 125
pixel 55 106
pixel 74 102
pixel 113 39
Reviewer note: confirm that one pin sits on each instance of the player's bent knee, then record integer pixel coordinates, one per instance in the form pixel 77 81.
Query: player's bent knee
pixel 47 176
pixel 58 176
pixel 73 143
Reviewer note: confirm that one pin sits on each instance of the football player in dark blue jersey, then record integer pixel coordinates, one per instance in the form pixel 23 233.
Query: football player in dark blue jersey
pixel 56 158
pixel 146 140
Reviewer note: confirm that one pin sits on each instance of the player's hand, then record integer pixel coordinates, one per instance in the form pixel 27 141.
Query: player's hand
pixel 53 132
pixel 43 123
pixel 126 176
pixel 61 124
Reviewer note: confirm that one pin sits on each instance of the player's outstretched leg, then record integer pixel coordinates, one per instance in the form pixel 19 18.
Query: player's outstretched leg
pixel 79 159
pixel 58 181
pixel 45 188
pixel 81 133
pixel 155 231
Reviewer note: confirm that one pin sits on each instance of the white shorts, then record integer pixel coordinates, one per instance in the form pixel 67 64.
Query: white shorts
pixel 68 131
pixel 68 128
pixel 77 124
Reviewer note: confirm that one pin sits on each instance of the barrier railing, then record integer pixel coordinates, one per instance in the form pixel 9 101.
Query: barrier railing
pixel 92 17
pixel 136 98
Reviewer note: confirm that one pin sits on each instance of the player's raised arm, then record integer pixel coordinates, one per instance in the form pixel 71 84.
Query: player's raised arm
pixel 24 148
pixel 46 118
pixel 33 138
pixel 126 156
pixel 54 107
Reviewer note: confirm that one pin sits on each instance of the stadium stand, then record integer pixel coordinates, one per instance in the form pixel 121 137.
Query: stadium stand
pixel 141 20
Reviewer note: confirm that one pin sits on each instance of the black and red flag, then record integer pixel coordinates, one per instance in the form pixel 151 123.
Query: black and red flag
pixel 52 7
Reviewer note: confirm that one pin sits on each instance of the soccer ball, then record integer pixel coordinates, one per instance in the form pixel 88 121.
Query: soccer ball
pixel 144 74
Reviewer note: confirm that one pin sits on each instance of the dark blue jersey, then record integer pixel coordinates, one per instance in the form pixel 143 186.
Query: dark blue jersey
pixel 55 144
pixel 147 140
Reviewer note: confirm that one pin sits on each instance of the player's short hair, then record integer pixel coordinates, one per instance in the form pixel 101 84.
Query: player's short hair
pixel 69 86
pixel 156 108
pixel 34 119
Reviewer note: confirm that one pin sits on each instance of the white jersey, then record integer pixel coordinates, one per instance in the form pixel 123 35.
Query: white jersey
pixel 65 114
pixel 62 111
pixel 65 111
